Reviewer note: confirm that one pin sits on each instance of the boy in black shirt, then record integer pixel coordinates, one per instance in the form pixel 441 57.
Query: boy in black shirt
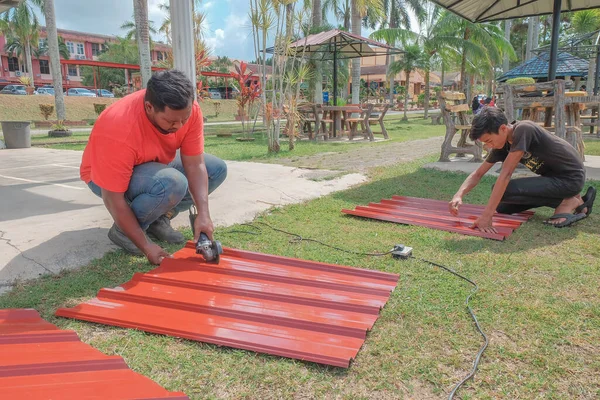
pixel 562 174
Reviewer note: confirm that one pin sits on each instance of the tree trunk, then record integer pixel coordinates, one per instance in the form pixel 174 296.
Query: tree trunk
pixel 356 21
pixel 390 58
pixel 443 75
pixel 464 82
pixel 140 10
pixel 29 61
pixel 528 46
pixel 59 100
pixel 317 20
pixel 289 20
pixel 407 76
pixel 505 62
pixel 426 105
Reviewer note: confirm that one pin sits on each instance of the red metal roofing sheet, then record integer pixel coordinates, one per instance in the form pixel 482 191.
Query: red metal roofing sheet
pixel 269 304
pixel 40 361
pixel 434 214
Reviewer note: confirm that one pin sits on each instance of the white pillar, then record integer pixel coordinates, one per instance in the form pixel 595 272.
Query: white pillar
pixel 182 31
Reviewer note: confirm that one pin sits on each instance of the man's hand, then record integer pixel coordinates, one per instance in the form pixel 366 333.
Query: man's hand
pixel 484 224
pixel 454 205
pixel 156 254
pixel 203 223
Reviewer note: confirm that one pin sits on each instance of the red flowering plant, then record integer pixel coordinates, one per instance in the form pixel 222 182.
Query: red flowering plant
pixel 248 93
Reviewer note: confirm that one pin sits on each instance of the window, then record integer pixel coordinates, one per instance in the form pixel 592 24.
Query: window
pixel 96 49
pixel 72 70
pixel 159 55
pixel 42 43
pixel 71 47
pixel 13 64
pixel 44 67
pixel 80 49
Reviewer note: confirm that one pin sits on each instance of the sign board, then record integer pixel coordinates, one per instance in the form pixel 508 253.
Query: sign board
pixel 325 97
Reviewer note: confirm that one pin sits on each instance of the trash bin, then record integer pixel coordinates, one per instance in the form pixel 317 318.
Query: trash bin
pixel 17 134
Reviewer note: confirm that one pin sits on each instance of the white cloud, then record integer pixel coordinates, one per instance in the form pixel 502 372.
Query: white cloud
pixel 207 5
pixel 220 34
pixel 232 38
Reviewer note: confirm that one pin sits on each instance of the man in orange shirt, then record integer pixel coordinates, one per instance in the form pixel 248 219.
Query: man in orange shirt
pixel 146 159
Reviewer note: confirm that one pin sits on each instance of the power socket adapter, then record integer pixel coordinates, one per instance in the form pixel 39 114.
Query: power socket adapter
pixel 401 251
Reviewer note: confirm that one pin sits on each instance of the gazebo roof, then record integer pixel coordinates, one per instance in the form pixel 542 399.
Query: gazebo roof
pixel 568 65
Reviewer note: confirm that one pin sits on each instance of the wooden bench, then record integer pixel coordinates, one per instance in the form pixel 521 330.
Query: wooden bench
pixel 453 107
pixel 378 119
pixel 363 120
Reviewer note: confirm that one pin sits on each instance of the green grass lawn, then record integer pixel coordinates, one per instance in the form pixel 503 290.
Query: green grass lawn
pixel 538 302
pixel 592 147
pixel 229 148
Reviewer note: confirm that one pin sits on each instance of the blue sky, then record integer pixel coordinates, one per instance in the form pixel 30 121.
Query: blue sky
pixel 228 30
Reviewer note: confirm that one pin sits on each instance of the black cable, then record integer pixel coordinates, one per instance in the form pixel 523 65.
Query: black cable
pixel 298 238
pixel 486 341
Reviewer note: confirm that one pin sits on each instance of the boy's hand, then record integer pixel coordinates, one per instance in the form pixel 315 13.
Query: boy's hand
pixel 454 205
pixel 484 224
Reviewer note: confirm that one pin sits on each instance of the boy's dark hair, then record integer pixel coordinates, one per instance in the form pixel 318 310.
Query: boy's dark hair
pixel 488 100
pixel 488 120
pixel 169 88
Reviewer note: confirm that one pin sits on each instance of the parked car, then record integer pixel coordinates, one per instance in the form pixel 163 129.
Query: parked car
pixel 103 93
pixel 14 89
pixel 80 92
pixel 227 92
pixel 214 94
pixel 46 91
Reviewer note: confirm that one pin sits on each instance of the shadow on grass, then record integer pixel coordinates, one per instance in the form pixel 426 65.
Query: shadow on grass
pixel 439 185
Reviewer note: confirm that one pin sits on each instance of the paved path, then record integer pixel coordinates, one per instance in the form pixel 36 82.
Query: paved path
pixel 363 158
pixel 49 220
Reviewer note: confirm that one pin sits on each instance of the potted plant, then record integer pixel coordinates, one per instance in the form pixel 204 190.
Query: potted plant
pixel 28 82
pixel 60 130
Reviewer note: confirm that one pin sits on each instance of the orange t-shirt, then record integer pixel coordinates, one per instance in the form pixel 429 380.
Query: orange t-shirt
pixel 124 137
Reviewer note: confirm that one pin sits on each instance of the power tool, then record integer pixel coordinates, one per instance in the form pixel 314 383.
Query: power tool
pixel 210 249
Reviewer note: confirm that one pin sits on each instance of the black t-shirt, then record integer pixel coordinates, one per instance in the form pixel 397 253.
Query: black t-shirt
pixel 545 153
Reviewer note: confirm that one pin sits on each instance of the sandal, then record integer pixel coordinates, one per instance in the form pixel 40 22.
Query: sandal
pixel 570 219
pixel 588 201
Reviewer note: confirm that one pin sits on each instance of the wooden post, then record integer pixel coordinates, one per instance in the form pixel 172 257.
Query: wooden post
pixel 509 109
pixel 559 108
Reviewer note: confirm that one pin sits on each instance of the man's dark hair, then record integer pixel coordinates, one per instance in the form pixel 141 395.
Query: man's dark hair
pixel 488 120
pixel 169 88
pixel 488 100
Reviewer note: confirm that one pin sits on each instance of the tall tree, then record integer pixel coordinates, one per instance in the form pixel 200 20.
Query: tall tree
pixel 506 60
pixel 317 21
pixel 140 10
pixel 359 9
pixel 341 10
pixel 472 41
pixel 22 24
pixel 414 58
pixel 55 48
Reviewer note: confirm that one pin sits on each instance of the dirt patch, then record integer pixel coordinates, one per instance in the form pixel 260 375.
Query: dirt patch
pixel 361 159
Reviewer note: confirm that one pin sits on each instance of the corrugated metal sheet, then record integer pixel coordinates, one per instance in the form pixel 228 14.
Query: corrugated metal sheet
pixel 434 214
pixel 269 304
pixel 40 361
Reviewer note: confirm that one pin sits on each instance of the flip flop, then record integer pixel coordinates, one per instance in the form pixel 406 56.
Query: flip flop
pixel 570 219
pixel 588 201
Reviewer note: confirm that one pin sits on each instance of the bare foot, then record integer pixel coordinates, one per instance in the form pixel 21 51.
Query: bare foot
pixel 567 206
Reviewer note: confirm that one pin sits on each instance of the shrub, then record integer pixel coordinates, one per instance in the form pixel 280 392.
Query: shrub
pixel 520 81
pixel 99 108
pixel 217 105
pixel 47 110
pixel 60 126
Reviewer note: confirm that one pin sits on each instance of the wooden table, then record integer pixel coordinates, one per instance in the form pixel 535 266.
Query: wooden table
pixel 337 112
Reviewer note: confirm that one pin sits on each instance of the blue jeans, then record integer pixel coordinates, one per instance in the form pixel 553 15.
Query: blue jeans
pixel 155 188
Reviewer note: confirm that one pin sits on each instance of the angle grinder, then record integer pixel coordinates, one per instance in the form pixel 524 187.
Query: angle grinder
pixel 210 249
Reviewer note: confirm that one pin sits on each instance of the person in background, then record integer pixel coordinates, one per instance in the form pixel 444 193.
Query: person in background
pixel 475 105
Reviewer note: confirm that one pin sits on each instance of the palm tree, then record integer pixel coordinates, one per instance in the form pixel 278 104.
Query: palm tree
pixel 359 9
pixel 131 29
pixel 140 11
pixel 22 24
pixel 55 50
pixel 341 9
pixel 317 21
pixel 44 49
pixel 472 41
pixel 412 59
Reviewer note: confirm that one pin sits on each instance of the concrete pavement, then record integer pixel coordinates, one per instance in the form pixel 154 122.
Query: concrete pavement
pixel 592 167
pixel 49 220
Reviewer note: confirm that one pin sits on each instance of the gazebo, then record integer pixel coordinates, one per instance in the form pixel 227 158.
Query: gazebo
pixel 537 67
